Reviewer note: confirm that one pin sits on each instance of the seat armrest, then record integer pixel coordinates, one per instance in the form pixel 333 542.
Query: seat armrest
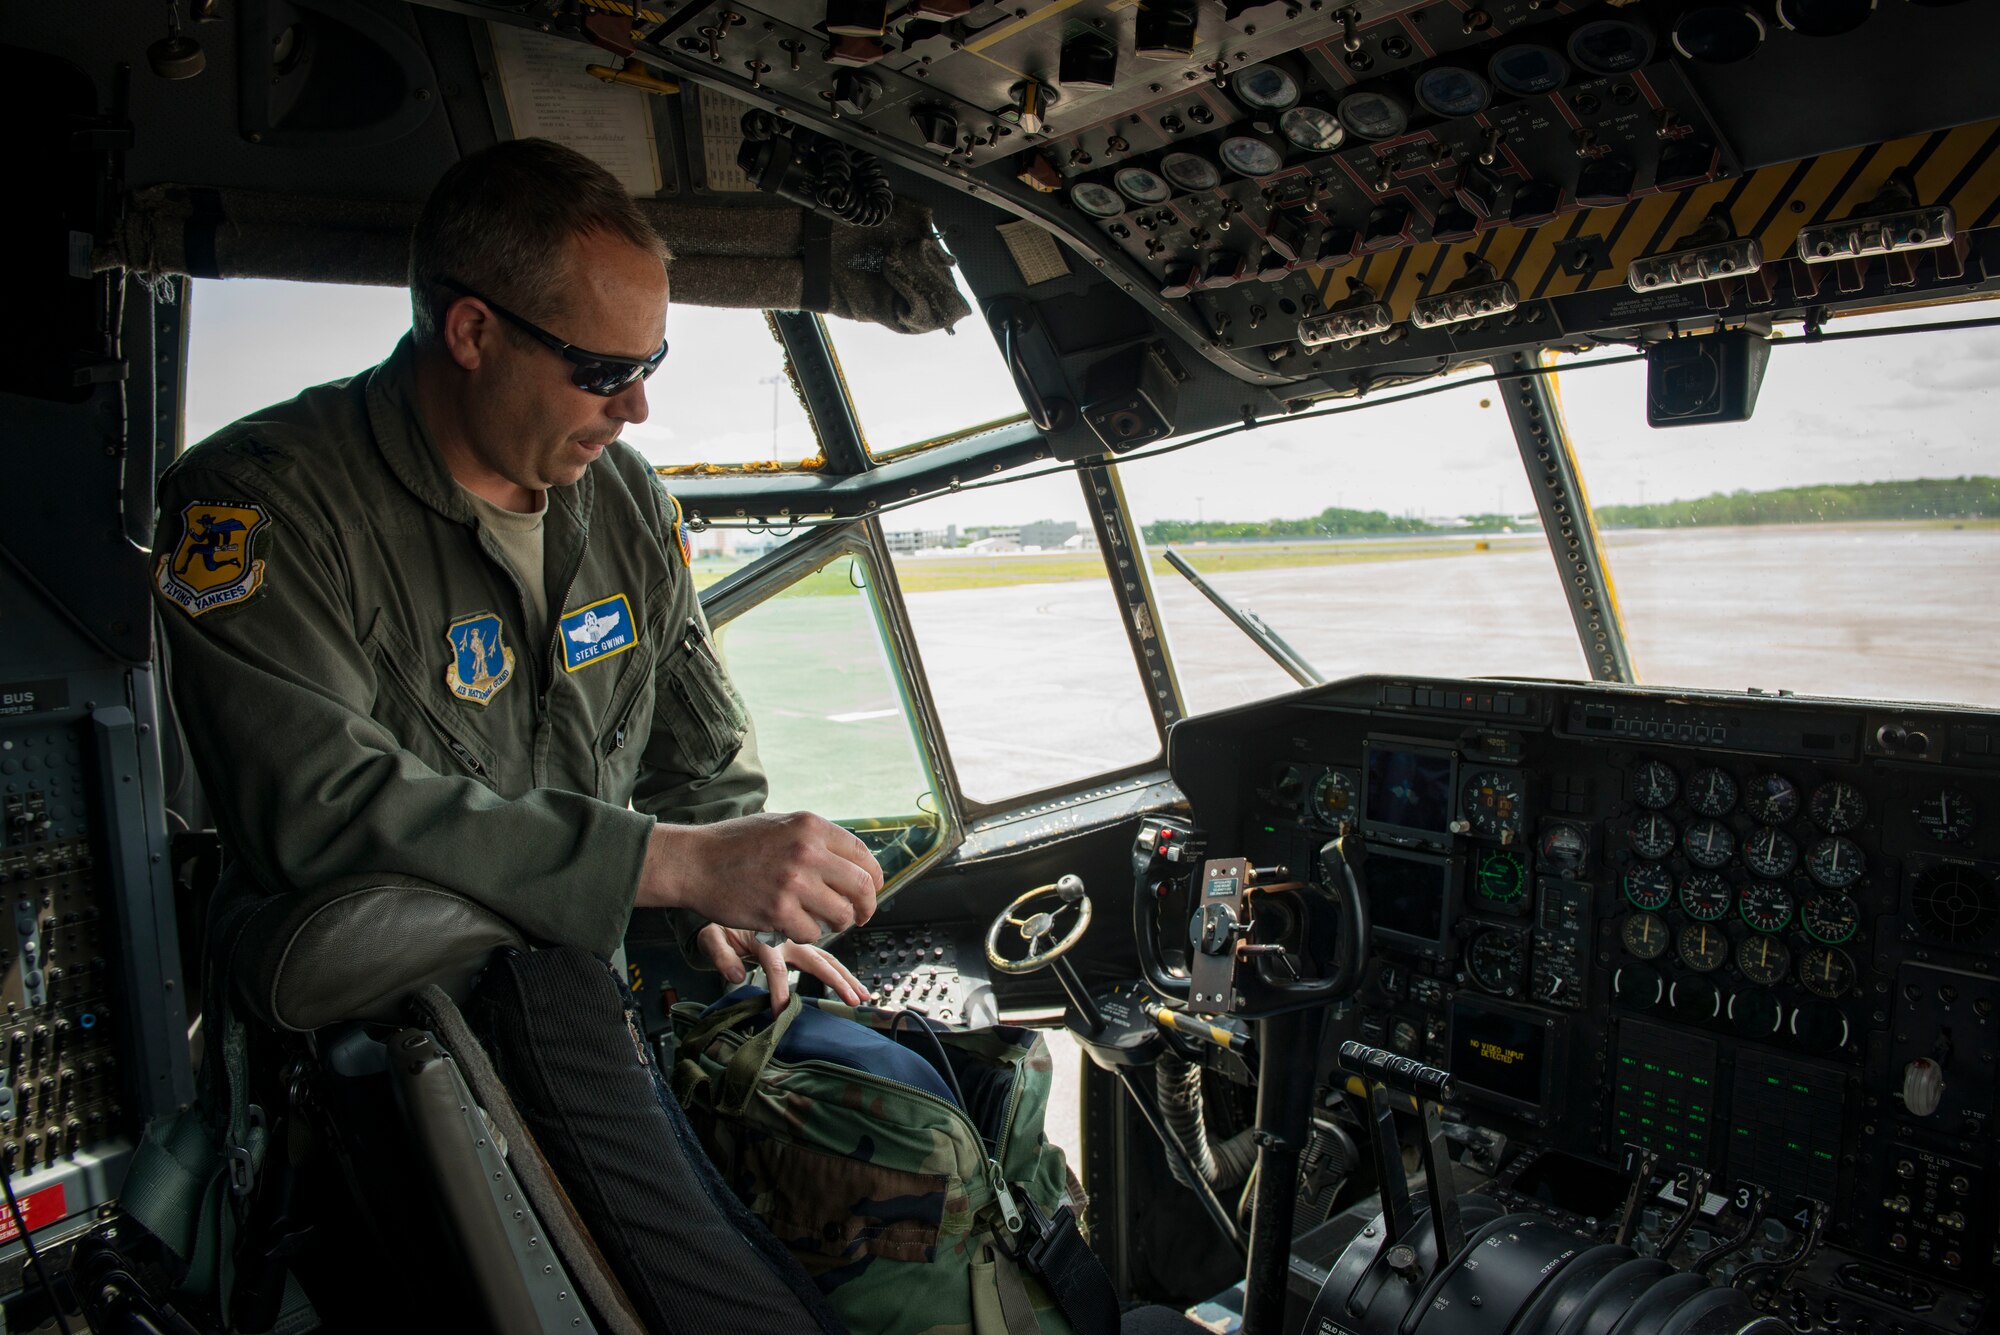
pixel 359 948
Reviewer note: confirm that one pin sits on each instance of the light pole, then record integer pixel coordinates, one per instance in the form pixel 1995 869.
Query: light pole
pixel 774 381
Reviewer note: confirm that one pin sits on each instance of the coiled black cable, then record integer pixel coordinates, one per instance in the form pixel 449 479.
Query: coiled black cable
pixel 852 186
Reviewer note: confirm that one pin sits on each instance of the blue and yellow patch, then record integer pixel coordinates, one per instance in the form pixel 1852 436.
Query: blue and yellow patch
pixel 481 662
pixel 211 566
pixel 597 632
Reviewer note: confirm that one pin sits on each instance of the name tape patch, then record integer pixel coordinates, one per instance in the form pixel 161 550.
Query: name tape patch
pixel 211 566
pixel 597 632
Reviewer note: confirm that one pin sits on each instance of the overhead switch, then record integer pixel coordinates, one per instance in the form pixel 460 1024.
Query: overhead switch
pixel 1165 29
pixel 1088 61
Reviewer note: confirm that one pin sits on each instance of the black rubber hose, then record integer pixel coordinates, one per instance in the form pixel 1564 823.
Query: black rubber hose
pixel 1177 1089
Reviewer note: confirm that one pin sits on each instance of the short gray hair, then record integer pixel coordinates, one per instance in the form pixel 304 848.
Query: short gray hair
pixel 499 221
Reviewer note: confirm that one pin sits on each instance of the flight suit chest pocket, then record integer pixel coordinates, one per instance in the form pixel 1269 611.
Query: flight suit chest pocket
pixel 699 704
pixel 422 726
pixel 628 718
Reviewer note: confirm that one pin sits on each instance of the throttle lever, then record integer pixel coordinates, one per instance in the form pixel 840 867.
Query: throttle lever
pixel 1384 1072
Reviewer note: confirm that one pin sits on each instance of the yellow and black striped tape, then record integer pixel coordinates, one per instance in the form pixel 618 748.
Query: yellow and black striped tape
pixel 1773 204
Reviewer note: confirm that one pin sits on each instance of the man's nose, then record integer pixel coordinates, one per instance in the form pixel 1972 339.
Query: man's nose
pixel 629 404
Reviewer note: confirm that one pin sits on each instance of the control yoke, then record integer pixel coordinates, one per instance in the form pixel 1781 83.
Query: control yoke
pixel 1239 959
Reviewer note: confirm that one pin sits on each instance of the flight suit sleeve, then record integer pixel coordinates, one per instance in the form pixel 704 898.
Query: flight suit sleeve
pixel 693 697
pixel 274 686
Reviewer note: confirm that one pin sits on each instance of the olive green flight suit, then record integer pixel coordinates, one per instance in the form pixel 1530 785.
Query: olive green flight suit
pixel 352 668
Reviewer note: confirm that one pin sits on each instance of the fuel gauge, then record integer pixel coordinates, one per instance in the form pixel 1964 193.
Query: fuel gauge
pixel 1763 960
pixel 1946 815
pixel 1826 972
pixel 1645 935
pixel 1703 948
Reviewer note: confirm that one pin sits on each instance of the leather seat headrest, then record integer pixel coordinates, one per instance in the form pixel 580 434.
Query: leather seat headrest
pixel 358 948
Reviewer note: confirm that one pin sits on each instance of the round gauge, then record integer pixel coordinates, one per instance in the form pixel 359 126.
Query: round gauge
pixel 1649 886
pixel 1719 34
pixel 1373 115
pixel 1611 46
pixel 1500 877
pixel 1703 948
pixel 1564 847
pixel 1705 897
pixel 1645 935
pixel 1770 852
pixel 1711 791
pixel 1837 807
pixel 1096 199
pixel 1835 863
pixel 1190 171
pixel 1249 157
pixel 1638 986
pixel 1528 70
pixel 1756 1013
pixel 1448 91
pixel 1772 799
pixel 1492 804
pixel 1830 919
pixel 1264 88
pixel 1406 1038
pixel 1824 18
pixel 1142 186
pixel 1764 960
pixel 1765 905
pixel 1314 129
pixel 1826 972
pixel 1652 836
pixel 1494 960
pixel 1333 797
pixel 1655 785
pixel 1946 815
pixel 1709 843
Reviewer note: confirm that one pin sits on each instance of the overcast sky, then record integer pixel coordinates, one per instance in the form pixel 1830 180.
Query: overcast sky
pixel 1911 406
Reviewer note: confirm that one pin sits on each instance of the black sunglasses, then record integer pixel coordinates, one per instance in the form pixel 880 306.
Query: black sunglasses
pixel 599 373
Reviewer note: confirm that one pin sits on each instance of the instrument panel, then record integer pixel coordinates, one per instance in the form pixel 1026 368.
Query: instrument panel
pixel 1756 936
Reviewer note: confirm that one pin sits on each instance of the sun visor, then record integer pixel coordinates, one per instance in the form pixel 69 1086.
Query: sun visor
pixel 771 257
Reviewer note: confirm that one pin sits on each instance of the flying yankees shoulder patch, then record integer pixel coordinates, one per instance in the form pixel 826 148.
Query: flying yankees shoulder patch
pixel 481 662
pixel 594 633
pixel 211 565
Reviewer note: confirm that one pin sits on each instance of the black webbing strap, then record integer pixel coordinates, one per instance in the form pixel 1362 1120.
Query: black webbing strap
pixel 198 233
pixel 815 262
pixel 1071 1271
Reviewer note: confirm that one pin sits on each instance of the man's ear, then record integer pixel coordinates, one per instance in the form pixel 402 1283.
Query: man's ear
pixel 469 331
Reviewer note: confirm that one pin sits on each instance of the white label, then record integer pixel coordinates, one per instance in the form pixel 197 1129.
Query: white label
pixel 549 96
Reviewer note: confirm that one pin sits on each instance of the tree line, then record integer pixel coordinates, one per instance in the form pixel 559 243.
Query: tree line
pixel 1924 498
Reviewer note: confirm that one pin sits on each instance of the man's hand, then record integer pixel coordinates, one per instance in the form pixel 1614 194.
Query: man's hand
pixel 728 947
pixel 795 873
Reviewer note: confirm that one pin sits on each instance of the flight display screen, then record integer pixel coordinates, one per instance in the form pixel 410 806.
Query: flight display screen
pixel 1501 1053
pixel 1408 791
pixel 1409 897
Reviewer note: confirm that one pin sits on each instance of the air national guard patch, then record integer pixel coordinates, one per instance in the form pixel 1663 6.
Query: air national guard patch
pixel 481 662
pixel 210 566
pixel 594 633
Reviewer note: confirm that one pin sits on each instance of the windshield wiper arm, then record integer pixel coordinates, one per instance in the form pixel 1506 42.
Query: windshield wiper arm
pixel 1272 643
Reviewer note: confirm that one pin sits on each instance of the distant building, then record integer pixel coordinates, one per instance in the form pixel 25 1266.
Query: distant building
pixel 1046 533
pixel 989 533
pixel 907 541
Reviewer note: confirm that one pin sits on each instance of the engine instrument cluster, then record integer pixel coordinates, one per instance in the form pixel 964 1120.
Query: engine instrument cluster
pixel 1756 937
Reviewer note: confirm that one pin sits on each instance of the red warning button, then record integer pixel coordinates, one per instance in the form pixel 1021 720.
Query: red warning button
pixel 39 1208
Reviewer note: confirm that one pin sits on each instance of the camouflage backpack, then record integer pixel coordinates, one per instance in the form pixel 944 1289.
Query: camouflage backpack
pixel 918 1207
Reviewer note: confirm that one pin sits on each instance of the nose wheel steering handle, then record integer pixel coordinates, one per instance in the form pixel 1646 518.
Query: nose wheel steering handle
pixel 1048 932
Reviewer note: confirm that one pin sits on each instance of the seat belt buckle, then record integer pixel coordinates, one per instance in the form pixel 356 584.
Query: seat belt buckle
pixel 241 1164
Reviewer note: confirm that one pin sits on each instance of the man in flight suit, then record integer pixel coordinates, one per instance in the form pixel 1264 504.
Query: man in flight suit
pixel 460 640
